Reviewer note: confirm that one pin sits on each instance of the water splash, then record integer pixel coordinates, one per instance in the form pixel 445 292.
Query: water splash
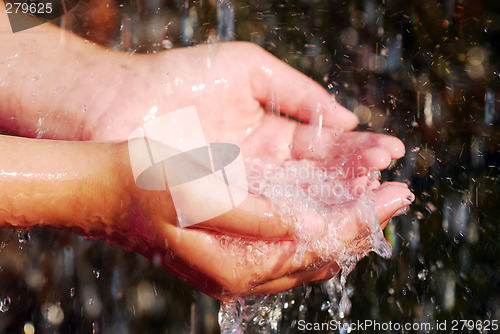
pixel 5 304
pixel 225 16
pixel 95 327
pixel 9 237
pixel 229 318
pixel 23 237
pixel 263 312
pixel 97 273
pixel 300 192
pixel 126 42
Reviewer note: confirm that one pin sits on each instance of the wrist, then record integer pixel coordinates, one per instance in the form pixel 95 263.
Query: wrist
pixel 143 213
pixel 57 184
pixel 102 195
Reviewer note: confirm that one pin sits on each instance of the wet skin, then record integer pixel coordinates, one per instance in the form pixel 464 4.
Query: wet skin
pixel 104 95
pixel 88 187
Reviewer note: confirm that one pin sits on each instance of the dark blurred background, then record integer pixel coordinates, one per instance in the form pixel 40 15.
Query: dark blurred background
pixel 426 71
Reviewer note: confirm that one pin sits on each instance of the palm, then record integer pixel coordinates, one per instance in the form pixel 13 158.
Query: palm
pixel 234 88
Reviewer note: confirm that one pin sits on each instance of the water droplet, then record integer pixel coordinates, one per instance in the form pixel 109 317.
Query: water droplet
pixel 95 327
pixel 167 44
pixel 422 275
pixel 53 313
pixel 29 328
pixel 9 237
pixel 5 304
pixel 430 207
pixel 308 292
pixel 97 273
pixel 23 236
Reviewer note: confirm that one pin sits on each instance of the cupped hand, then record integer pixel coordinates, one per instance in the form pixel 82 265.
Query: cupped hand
pixel 250 249
pixel 227 265
pixel 247 97
pixel 242 95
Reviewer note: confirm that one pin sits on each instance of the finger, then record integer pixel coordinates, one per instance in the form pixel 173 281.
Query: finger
pixel 240 266
pixel 329 145
pixel 258 260
pixel 254 217
pixel 391 198
pixel 276 84
pixel 374 184
pixel 235 263
pixel 368 161
pixel 392 144
pixel 359 185
pixel 297 279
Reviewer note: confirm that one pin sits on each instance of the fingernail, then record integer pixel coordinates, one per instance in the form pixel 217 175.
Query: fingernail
pixel 409 199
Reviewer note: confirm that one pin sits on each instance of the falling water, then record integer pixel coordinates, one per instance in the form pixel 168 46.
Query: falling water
pixel 298 188
pixel 225 20
pixel 4 243
pixel 284 190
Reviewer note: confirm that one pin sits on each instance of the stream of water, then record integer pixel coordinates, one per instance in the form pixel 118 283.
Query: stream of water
pixel 297 189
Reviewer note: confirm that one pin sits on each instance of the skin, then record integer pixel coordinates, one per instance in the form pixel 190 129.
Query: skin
pixel 98 198
pixel 103 95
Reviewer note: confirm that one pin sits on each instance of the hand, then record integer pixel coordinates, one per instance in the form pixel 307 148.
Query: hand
pixel 233 86
pixel 227 265
pixel 248 250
